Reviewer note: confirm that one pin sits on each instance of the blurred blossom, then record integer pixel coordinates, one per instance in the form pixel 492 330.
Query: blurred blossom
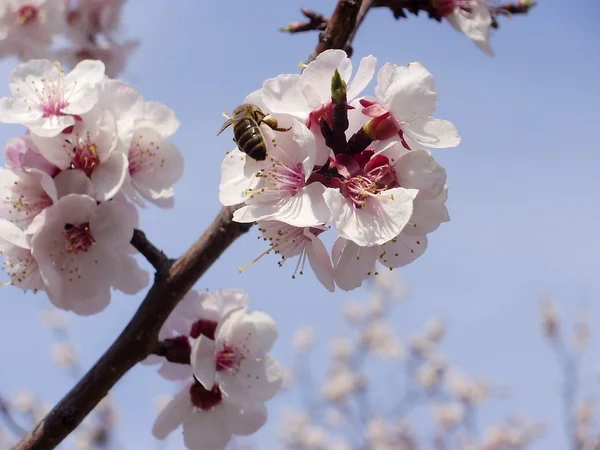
pixel 288 377
pixel 381 340
pixel 354 311
pixel 448 415
pixel 333 418
pixel 341 348
pixel 378 432
pixel 55 320
pixel 24 402
pixel 377 306
pixel 584 412
pixel 338 388
pixel 304 338
pixel 421 346
pixel 434 330
pixel 340 445
pixel 107 412
pixel 466 389
pixel 581 332
pixel 549 318
pixel 430 374
pixel 160 401
pixel 64 355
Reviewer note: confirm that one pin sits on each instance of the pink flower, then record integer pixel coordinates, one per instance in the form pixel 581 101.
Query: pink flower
pixel 46 100
pixel 198 313
pixel 82 247
pixel 237 360
pixel 112 54
pixel 21 154
pixel 209 420
pixel 19 263
pixel 28 25
pixel 92 148
pixel 290 242
pixel 470 17
pixel 277 188
pixel 24 194
pixel 406 98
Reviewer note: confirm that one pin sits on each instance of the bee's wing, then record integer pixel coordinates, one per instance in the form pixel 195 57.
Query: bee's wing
pixel 225 125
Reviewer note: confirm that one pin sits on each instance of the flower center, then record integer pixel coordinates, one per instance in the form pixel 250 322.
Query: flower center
pixel 203 398
pixel 205 327
pixel 229 358
pixel 85 156
pixel 142 156
pixel 281 180
pixel 52 96
pixel 78 238
pixel 27 14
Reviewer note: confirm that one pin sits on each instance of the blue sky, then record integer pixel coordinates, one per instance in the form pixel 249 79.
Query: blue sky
pixel 524 196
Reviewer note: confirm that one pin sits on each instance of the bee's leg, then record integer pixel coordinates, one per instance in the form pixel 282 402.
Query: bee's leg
pixel 272 123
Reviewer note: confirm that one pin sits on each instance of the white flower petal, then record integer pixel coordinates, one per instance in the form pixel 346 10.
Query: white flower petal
pixel 402 250
pixel 354 265
pixel 108 178
pixel 319 72
pixel 363 76
pixel 418 170
pixel 242 420
pixel 235 184
pixel 382 219
pixel 320 261
pixel 204 430
pixel 203 361
pixel 283 94
pixel 434 133
pixel 411 93
pixel 256 380
pixel 173 414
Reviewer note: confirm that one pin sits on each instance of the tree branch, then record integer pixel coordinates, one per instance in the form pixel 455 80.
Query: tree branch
pixel 155 256
pixel 339 28
pixel 139 338
pixel 172 281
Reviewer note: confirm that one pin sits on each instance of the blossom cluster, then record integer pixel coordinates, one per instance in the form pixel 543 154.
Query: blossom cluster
pixel 93 148
pixel 357 164
pixel 231 373
pixel 470 17
pixel 28 29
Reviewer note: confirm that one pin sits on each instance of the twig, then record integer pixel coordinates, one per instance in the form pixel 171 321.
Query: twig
pixel 340 27
pixel 9 420
pixel 171 283
pixel 172 353
pixel 316 22
pixel 156 257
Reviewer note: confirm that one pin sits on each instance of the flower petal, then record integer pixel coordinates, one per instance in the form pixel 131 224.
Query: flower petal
pixel 411 93
pixel 382 219
pixel 202 360
pixel 283 94
pixel 320 261
pixel 363 76
pixel 108 178
pixel 204 430
pixel 402 250
pixel 319 72
pixel 434 133
pixel 243 420
pixel 354 265
pixel 418 170
pixel 256 380
pixel 235 183
pixel 173 414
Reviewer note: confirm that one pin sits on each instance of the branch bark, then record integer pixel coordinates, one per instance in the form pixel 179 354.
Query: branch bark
pixel 173 280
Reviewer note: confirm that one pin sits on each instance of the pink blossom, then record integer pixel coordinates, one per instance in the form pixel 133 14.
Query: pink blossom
pixel 19 263
pixel 81 248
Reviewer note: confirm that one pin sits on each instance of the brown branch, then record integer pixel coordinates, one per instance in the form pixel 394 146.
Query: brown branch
pixel 173 353
pixel 155 256
pixel 139 337
pixel 339 28
pixel 399 9
pixel 172 282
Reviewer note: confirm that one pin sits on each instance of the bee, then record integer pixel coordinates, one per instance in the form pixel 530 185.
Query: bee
pixel 246 122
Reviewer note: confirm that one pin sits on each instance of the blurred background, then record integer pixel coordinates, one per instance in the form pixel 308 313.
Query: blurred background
pixel 524 204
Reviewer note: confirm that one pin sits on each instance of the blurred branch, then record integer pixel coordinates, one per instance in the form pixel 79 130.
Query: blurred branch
pixel 9 420
pixel 173 280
